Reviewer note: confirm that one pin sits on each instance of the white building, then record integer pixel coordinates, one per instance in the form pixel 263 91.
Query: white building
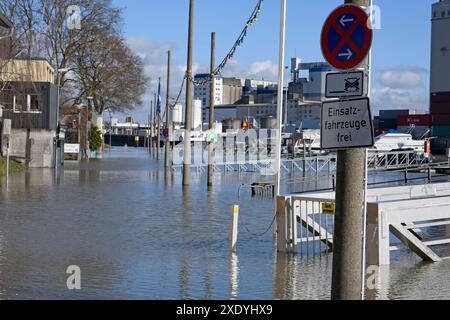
pixel 227 91
pixel 303 110
pixel 202 91
pixel 255 84
pixel 311 86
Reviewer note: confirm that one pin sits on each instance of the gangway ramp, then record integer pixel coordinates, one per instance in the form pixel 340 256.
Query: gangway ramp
pixel 305 224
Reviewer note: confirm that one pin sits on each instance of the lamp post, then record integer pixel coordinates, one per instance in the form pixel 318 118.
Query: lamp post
pixel 89 99
pixel 58 101
pixel 110 130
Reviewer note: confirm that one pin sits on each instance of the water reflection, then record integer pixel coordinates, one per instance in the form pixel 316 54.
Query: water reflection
pixel 234 276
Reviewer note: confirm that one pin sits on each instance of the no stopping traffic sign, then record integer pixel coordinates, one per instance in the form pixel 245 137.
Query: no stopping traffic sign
pixel 346 37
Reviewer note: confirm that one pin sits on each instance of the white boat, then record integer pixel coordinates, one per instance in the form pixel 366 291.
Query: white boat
pixel 395 141
pixel 310 143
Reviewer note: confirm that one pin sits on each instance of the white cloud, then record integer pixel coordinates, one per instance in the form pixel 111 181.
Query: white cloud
pixel 400 87
pixel 389 98
pixel 264 69
pixel 402 77
pixel 154 57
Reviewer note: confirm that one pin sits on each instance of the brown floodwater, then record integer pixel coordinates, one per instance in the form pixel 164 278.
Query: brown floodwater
pixel 136 233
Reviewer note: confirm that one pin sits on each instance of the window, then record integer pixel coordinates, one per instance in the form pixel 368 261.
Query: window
pixel 20 103
pixel 35 103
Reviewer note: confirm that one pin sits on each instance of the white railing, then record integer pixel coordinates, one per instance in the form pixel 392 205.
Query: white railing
pixel 305 225
pixel 324 163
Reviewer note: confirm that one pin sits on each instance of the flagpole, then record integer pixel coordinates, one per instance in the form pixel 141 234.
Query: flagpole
pixel 280 97
pixel 158 119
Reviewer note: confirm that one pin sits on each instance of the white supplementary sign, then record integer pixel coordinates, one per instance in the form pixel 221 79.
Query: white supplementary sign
pixel 346 125
pixel 348 84
pixel 71 148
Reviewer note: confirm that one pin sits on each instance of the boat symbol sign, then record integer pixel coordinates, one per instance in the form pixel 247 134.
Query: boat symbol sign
pixel 341 85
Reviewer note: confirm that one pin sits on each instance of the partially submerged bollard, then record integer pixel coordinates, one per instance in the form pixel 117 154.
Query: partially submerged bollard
pixel 234 228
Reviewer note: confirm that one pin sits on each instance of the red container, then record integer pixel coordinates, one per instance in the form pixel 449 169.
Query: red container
pixel 438 108
pixel 440 120
pixel 420 120
pixel 440 97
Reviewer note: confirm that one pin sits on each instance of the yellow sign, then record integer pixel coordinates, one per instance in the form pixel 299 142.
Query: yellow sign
pixel 136 138
pixel 328 208
pixel 236 210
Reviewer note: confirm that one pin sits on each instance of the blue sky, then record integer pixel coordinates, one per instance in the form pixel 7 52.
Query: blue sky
pixel 401 50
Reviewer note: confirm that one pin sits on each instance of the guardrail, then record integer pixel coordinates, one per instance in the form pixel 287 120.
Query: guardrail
pixel 305 223
pixel 397 160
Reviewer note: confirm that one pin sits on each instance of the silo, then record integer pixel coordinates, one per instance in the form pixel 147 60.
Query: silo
pixel 231 124
pixel 197 115
pixel 177 113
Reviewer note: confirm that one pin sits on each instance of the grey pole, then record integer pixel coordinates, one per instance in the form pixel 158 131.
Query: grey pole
pixel 347 245
pixel 211 108
pixel 86 137
pixel 154 124
pixel 167 142
pixel 158 133
pixel 110 131
pixel 150 139
pixel 188 115
pixel 58 99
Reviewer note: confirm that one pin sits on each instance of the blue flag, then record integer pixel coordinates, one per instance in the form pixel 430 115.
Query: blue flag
pixel 158 104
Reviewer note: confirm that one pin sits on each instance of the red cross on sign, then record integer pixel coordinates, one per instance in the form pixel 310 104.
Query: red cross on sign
pixel 346 37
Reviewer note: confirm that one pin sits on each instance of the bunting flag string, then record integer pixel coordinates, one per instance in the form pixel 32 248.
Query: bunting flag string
pixel 177 100
pixel 240 40
pixel 253 18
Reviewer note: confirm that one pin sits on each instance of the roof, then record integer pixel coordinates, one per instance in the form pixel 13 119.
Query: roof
pixel 5 22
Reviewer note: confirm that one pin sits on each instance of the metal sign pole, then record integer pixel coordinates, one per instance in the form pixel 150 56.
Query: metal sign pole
pixel 280 97
pixel 366 178
pixel 347 126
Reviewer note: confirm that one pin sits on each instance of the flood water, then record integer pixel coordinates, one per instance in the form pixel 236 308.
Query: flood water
pixel 136 234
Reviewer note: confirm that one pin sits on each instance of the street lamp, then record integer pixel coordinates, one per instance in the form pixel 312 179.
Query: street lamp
pixel 88 106
pixel 57 124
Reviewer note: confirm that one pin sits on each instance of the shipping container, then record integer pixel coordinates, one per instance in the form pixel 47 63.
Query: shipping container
pixel 440 131
pixel 392 114
pixel 440 108
pixel 416 120
pixel 440 120
pixel 439 146
pixel 388 123
pixel 440 97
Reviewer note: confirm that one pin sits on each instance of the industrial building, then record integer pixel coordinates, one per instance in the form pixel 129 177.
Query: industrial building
pixel 308 80
pixel 227 90
pixel 255 100
pixel 440 73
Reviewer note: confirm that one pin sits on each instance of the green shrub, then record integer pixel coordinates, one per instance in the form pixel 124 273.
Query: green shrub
pixel 95 140
pixel 14 167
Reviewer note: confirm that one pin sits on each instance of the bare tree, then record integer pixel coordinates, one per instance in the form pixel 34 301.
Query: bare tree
pixel 97 59
pixel 109 72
